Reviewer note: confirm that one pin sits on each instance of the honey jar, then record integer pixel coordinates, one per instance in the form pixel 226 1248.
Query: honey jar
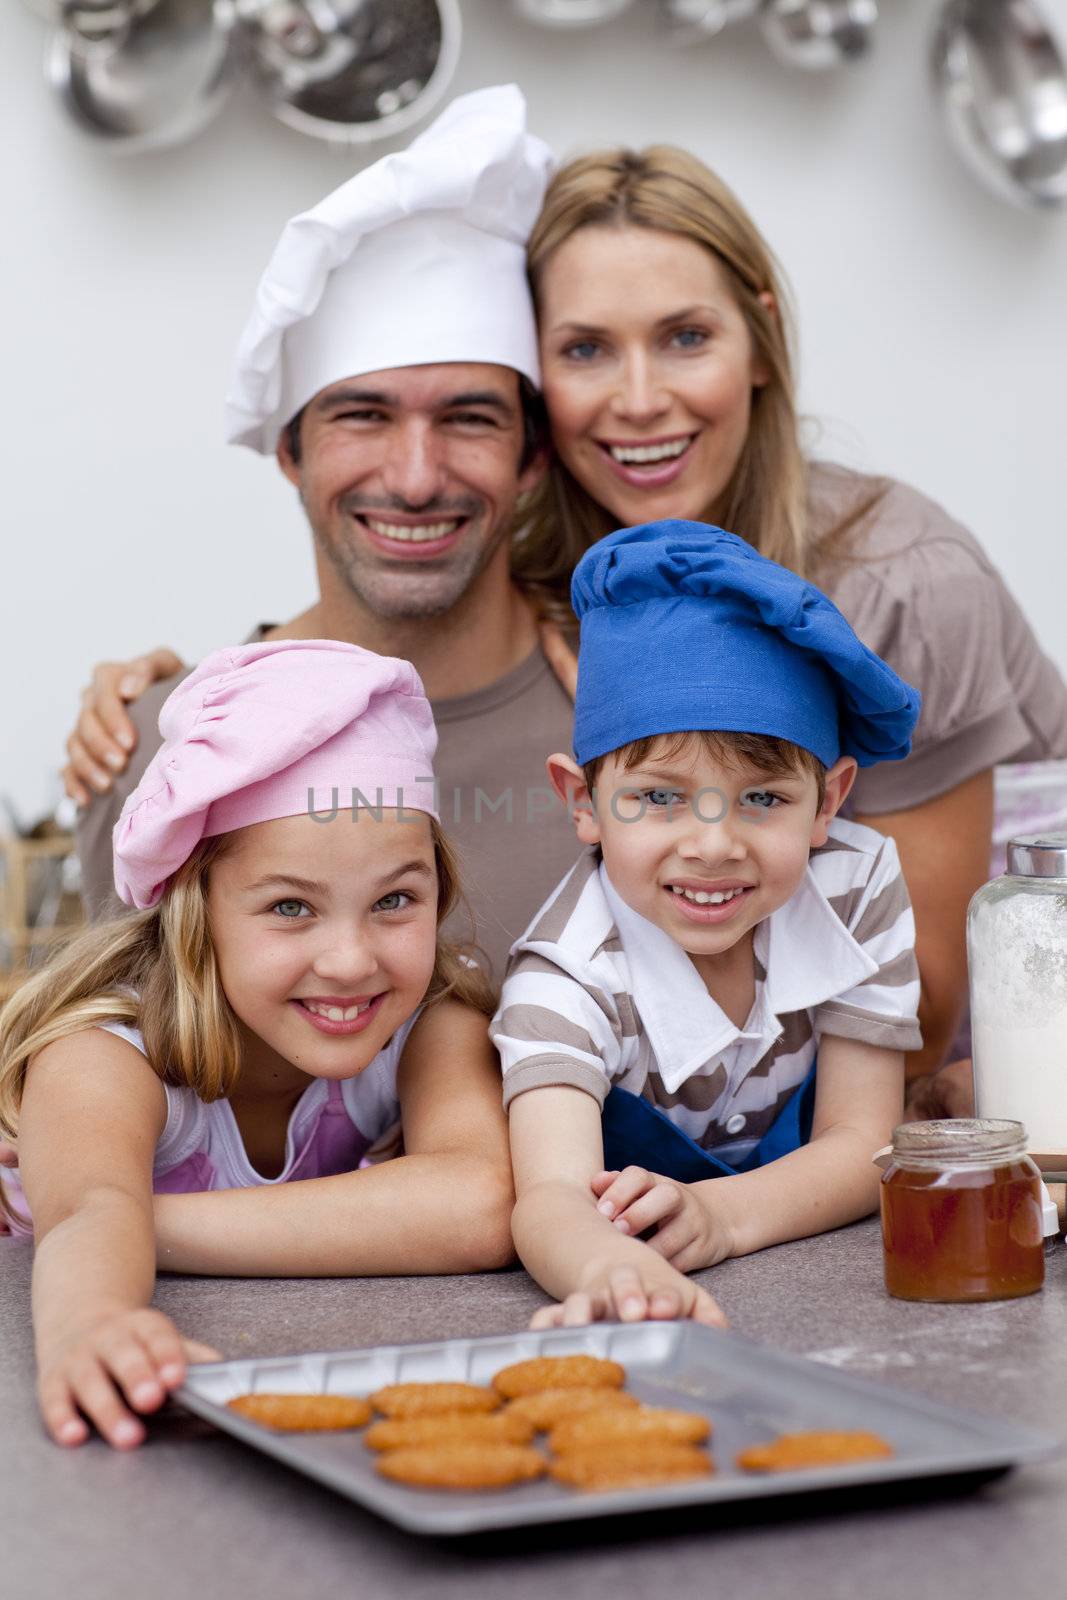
pixel 961 1212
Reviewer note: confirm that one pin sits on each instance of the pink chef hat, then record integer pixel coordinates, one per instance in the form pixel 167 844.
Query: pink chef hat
pixel 274 730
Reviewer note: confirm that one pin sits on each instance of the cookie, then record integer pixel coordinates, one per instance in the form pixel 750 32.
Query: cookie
pixel 791 1452
pixel 432 1399
pixel 558 1372
pixel 549 1406
pixel 451 1465
pixel 640 1466
pixel 464 1427
pixel 302 1413
pixel 643 1425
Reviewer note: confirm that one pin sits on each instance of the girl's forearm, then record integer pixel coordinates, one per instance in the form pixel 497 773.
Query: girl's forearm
pixel 823 1185
pixel 417 1214
pixel 563 1241
pixel 99 1256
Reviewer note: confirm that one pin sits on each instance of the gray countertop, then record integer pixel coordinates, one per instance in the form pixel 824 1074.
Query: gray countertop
pixel 195 1516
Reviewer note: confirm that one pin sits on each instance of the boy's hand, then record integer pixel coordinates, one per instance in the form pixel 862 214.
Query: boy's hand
pixel 652 1291
pixel 687 1233
pixel 111 1363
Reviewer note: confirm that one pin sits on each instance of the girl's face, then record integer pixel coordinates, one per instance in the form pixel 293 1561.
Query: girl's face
pixel 325 935
pixel 648 371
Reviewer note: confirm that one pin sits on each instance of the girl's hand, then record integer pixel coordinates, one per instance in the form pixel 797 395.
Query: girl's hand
pixel 652 1291
pixel 687 1233
pixel 111 1364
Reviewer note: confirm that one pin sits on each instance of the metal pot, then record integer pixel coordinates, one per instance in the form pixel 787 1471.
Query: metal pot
pixel 817 34
pixel 570 13
pixel 145 77
pixel 351 71
pixel 690 21
pixel 1001 81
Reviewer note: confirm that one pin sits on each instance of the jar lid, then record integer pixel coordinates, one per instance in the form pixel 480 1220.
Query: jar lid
pixel 1038 855
pixel 959 1137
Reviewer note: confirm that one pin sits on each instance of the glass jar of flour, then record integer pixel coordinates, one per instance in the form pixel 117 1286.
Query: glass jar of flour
pixel 1017 954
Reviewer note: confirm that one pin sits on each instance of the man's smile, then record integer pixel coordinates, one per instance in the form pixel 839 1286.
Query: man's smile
pixel 411 538
pixel 412 532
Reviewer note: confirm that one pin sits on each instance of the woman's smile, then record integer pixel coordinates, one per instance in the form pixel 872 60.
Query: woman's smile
pixel 649 463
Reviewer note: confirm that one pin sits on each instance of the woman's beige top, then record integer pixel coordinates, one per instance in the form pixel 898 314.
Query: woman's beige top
pixel 920 590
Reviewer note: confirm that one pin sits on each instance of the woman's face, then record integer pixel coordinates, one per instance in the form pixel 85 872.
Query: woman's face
pixel 648 371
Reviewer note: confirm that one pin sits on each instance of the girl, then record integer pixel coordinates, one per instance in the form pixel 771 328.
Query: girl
pixel 278 999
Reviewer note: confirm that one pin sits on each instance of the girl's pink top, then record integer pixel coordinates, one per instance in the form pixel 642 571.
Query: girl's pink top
pixel 331 1129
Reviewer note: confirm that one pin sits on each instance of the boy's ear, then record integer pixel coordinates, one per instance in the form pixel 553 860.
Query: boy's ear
pixel 839 781
pixel 568 780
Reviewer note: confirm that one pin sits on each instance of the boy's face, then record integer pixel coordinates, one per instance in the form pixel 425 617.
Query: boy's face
pixel 704 851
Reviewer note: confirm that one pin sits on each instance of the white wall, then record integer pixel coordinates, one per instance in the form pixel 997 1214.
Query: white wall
pixel 934 323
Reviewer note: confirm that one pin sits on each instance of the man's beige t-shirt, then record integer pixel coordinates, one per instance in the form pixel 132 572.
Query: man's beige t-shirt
pixel 915 585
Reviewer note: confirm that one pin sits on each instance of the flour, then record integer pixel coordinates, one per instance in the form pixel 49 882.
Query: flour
pixel 1017 952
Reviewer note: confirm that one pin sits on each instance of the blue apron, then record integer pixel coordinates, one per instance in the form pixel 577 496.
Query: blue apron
pixel 637 1133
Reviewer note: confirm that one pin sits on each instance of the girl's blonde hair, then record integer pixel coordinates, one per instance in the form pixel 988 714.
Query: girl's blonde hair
pixel 157 970
pixel 765 499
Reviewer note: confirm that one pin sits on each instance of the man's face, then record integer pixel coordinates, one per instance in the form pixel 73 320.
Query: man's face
pixel 409 480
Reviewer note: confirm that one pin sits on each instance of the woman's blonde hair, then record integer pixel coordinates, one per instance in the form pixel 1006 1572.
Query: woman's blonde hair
pixel 157 970
pixel 765 499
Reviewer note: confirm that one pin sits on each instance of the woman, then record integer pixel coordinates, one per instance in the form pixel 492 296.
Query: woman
pixel 668 382
pixel 665 356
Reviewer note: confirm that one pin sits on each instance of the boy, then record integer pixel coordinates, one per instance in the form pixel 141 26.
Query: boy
pixel 661 1017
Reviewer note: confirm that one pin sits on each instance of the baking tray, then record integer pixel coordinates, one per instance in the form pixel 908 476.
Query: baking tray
pixel 749 1393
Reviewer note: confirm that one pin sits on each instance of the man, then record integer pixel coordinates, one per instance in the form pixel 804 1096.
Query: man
pixel 390 365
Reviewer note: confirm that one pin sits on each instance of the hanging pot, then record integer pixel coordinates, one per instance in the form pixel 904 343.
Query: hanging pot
pixel 570 13
pixel 144 77
pixel 1000 78
pixel 352 71
pixel 818 34
pixel 690 21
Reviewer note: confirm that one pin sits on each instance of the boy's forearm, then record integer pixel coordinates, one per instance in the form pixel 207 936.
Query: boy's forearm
pixel 825 1184
pixel 563 1240
pixel 416 1214
pixel 101 1255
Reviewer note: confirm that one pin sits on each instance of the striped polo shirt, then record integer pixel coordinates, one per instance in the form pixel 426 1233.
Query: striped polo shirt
pixel 596 995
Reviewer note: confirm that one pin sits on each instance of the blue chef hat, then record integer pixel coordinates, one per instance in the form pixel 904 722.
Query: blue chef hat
pixel 685 627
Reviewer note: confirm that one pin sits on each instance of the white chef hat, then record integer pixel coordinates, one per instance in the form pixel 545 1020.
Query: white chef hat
pixel 419 258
